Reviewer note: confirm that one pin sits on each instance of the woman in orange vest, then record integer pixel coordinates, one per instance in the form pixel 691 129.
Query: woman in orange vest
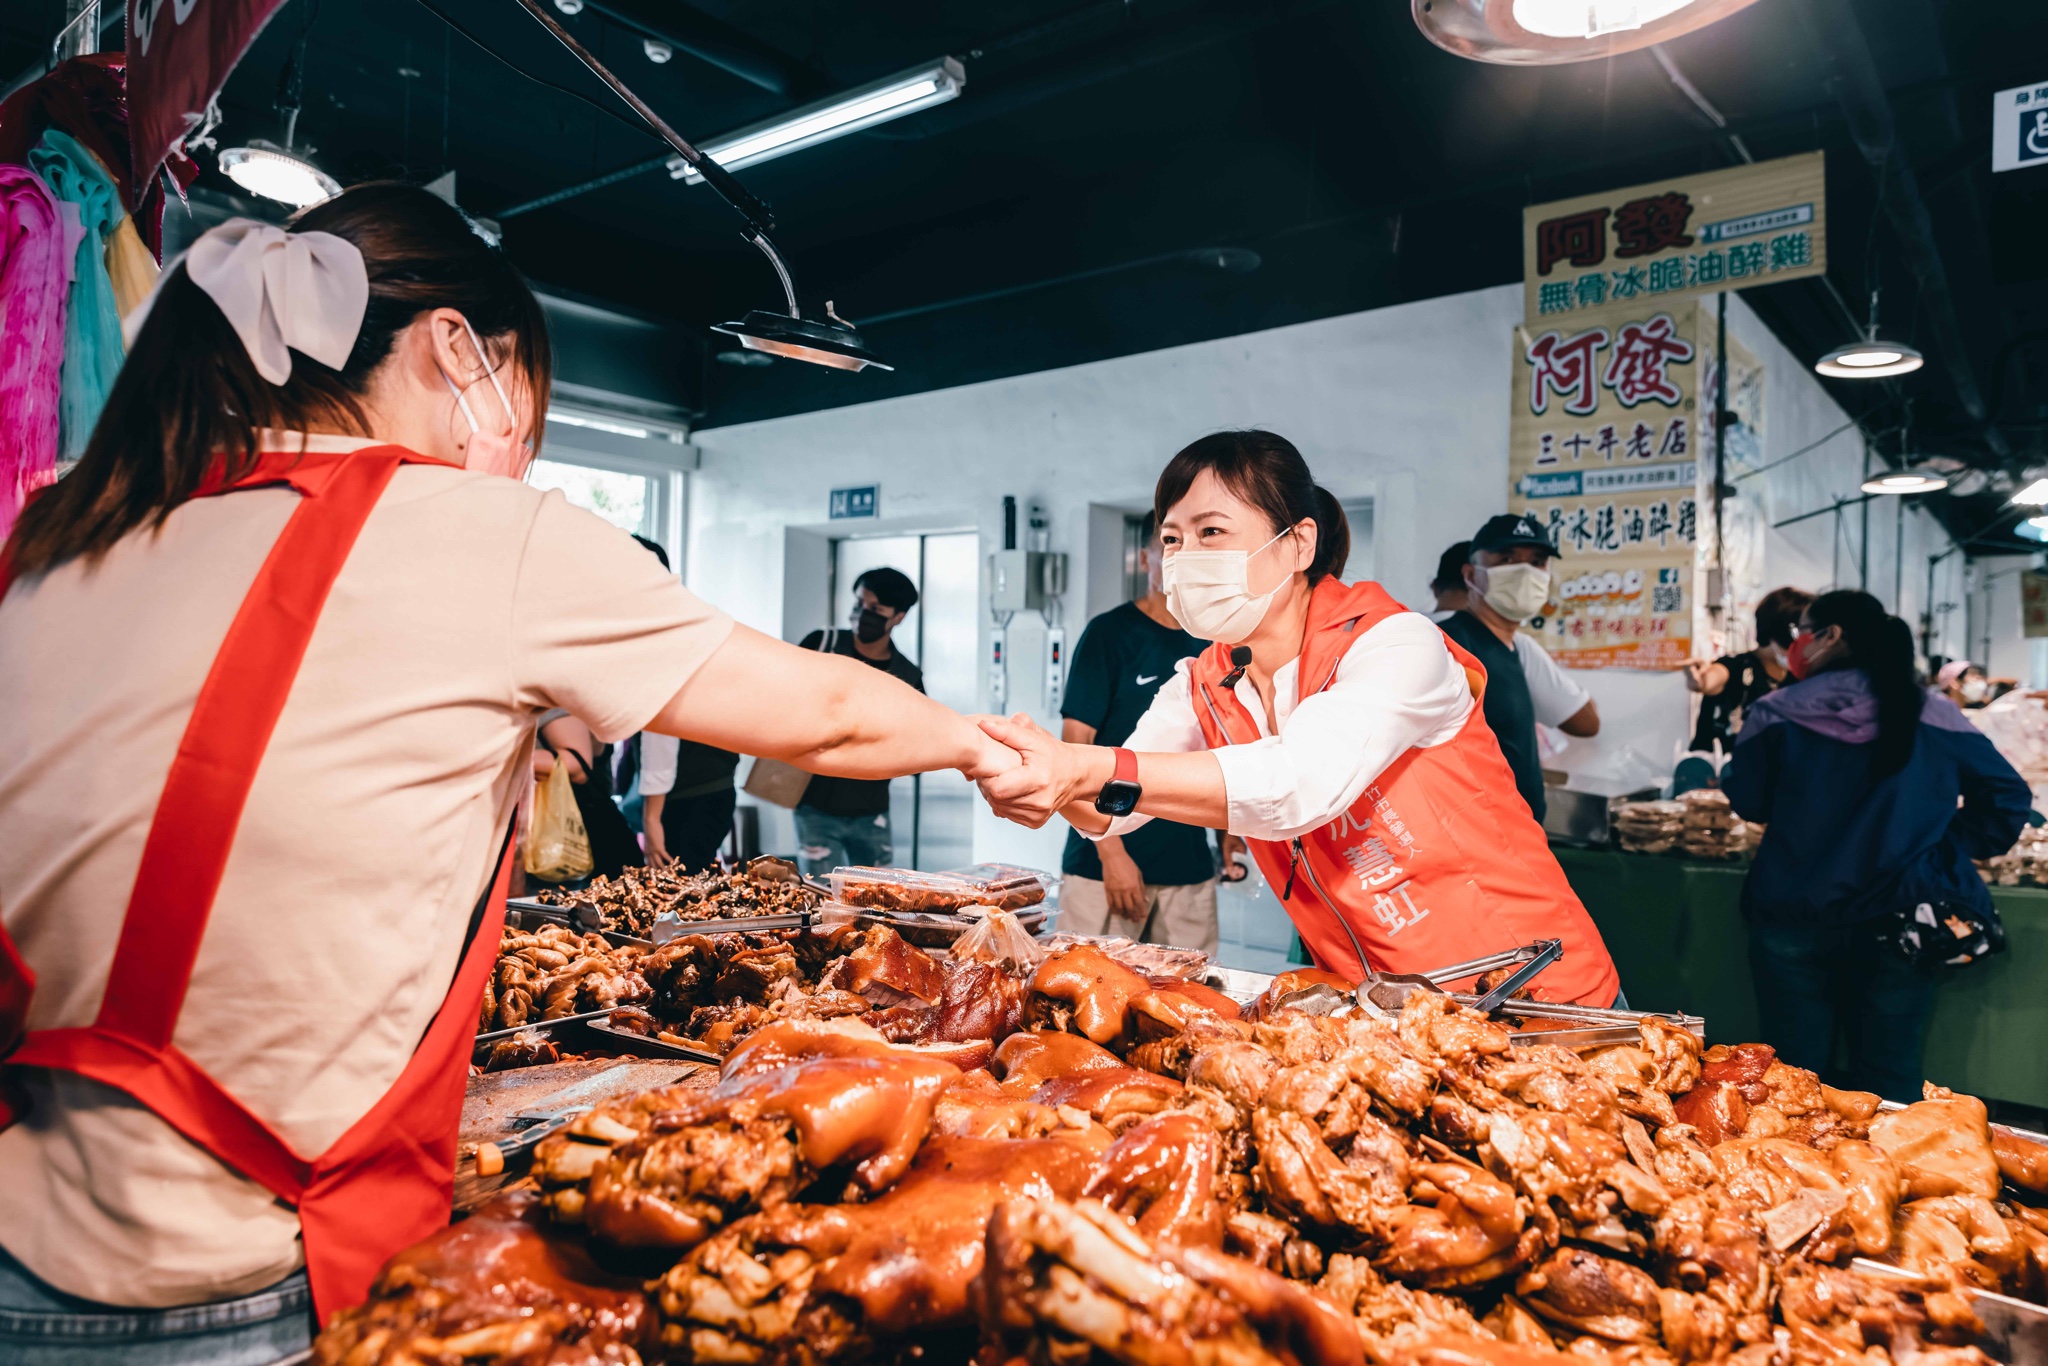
pixel 1340 733
pixel 271 657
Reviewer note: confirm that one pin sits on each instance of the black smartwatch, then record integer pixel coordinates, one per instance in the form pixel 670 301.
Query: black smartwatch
pixel 1119 796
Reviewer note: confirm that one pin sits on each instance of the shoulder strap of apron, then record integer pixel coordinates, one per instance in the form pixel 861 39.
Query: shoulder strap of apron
pixel 129 1045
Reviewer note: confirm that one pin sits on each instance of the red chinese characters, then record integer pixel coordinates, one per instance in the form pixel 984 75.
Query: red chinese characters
pixel 1567 367
pixel 1639 367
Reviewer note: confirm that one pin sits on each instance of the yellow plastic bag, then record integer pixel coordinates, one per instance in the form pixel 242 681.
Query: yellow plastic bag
pixel 557 847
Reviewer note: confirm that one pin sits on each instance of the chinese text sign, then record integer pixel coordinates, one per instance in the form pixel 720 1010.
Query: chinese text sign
pixel 1603 451
pixel 1657 245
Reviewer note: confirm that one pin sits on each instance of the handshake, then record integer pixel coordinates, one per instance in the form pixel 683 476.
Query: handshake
pixel 1028 775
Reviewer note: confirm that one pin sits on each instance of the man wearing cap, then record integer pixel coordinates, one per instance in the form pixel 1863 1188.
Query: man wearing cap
pixel 1507 581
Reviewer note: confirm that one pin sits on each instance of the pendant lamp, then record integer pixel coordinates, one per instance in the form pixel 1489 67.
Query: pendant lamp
pixel 830 341
pixel 1552 32
pixel 1872 357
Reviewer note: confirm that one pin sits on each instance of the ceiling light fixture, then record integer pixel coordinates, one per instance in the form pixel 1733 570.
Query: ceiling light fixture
pixel 2033 495
pixel 833 342
pixel 1870 358
pixel 1914 479
pixel 1549 32
pixel 878 102
pixel 264 168
pixel 2034 529
pixel 657 51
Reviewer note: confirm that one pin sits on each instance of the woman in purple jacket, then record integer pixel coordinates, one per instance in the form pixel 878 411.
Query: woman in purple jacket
pixel 1877 794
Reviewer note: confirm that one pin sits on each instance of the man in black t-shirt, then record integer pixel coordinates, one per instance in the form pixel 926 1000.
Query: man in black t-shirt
pixel 1158 883
pixel 1507 581
pixel 843 821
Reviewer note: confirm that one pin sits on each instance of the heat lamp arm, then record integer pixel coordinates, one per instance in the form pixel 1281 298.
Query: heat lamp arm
pixel 760 239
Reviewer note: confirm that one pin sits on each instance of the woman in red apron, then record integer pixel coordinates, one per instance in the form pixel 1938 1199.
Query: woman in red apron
pixel 270 662
pixel 1337 731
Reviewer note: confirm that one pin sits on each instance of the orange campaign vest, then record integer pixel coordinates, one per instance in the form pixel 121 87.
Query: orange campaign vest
pixel 1438 861
pixel 387 1182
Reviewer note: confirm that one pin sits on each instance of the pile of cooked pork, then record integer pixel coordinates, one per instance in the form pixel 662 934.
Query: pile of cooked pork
pixel 1094 1166
pixel 631 902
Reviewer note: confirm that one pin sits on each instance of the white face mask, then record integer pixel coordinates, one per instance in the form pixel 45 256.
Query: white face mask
pixel 1975 689
pixel 1209 592
pixel 1516 591
pixel 490 452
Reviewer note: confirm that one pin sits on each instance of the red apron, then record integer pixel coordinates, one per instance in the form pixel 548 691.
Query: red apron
pixel 388 1181
pixel 1438 861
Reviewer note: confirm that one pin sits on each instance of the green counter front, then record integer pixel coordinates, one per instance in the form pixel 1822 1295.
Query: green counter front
pixel 1675 930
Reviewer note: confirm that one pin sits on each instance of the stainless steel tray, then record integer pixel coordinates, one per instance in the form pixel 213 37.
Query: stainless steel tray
pixel 2015 1331
pixel 524 912
pixel 647 1046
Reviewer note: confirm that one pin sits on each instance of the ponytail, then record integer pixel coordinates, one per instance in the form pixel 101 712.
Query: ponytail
pixel 1265 470
pixel 1882 646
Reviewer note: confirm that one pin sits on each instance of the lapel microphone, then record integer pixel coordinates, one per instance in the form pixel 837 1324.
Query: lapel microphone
pixel 1240 660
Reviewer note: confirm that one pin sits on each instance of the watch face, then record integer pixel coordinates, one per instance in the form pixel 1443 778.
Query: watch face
pixel 1117 798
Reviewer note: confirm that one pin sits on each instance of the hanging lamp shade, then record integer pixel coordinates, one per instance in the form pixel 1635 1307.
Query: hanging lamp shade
pixel 1552 32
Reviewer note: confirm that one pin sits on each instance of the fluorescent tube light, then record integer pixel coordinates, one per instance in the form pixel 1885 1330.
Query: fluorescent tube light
pixel 2034 494
pixel 596 424
pixel 904 93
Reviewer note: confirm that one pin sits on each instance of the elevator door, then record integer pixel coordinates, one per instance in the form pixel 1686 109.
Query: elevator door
pixel 931 816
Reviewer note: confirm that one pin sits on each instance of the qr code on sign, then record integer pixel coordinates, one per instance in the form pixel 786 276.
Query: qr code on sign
pixel 1666 597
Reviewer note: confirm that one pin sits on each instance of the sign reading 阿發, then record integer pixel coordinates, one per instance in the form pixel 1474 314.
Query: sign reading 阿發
pixel 1603 451
pixel 2019 127
pixel 1665 242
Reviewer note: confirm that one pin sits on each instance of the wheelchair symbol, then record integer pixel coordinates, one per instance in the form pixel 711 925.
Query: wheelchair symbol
pixel 2033 135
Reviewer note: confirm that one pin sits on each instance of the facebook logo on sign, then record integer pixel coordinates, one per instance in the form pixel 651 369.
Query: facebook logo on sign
pixel 2033 145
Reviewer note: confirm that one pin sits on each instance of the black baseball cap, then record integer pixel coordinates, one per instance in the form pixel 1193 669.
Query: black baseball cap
pixel 1508 530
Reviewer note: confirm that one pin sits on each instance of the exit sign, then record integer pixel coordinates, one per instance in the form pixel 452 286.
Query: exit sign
pixel 862 501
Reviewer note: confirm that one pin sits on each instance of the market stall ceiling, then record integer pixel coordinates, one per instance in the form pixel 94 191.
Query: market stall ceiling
pixel 1364 166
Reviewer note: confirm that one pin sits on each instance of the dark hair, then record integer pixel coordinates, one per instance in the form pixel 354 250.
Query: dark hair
pixel 891 587
pixel 1778 612
pixel 1450 568
pixel 655 547
pixel 189 402
pixel 1149 528
pixel 1266 471
pixel 1882 646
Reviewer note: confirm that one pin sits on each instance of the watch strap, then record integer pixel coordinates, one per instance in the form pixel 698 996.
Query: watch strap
pixel 1126 766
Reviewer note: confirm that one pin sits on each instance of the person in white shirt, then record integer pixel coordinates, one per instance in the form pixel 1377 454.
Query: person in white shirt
pixel 1560 701
pixel 1340 733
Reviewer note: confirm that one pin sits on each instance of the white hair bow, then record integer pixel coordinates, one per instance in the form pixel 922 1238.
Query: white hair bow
pixel 281 291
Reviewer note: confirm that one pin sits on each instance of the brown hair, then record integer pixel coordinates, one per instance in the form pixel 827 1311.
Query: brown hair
pixel 188 400
pixel 1266 471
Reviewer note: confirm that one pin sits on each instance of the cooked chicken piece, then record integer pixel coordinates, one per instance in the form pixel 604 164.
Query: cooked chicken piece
pixel 1707 1241
pixel 1161 1175
pixel 1084 990
pixel 1680 1160
pixel 1170 1054
pixel 1024 1062
pixel 563 1163
pixel 1387 1313
pixel 1115 1097
pixel 757 1139
pixel 1795 1189
pixel 2022 1161
pixel 1959 1235
pixel 1853 1311
pixel 1238 1071
pixel 1942 1145
pixel 750 971
pixel 1302 1179
pixel 498 1289
pixel 818 1283
pixel 1064 1278
pixel 1696 1328
pixel 1287 983
pixel 1677 1051
pixel 976 1106
pixel 888 970
pixel 1465 1228
pixel 1437 1029
pixel 1871 1179
pixel 1633 1073
pixel 1470 1349
pixel 1272 1243
pixel 717 1028
pixel 1858 1107
pixel 1716 1110
pixel 1556 1079
pixel 1555 1157
pixel 1592 1294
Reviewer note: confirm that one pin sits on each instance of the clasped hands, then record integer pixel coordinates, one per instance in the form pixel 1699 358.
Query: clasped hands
pixel 1028 775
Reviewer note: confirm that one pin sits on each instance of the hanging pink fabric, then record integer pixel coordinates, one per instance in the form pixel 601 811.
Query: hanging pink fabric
pixel 34 273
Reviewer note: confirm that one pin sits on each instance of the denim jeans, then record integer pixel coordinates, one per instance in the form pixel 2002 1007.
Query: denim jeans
pixel 827 842
pixel 42 1326
pixel 1814 982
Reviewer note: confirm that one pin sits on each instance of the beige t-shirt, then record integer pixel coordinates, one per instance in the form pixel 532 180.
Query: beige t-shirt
pixel 469 605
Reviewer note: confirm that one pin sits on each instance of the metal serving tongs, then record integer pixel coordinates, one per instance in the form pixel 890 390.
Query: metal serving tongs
pixel 1383 994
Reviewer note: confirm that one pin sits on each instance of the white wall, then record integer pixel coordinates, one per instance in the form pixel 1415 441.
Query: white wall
pixel 1408 405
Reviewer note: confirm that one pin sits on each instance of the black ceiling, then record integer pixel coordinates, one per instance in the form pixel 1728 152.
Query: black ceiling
pixel 1104 140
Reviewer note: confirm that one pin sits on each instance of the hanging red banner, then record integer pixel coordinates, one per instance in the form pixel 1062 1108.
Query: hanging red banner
pixel 179 55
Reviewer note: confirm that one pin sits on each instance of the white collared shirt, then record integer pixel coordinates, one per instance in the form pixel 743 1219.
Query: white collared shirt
pixel 1397 688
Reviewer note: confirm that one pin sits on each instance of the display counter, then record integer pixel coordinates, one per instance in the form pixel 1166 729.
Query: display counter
pixel 1675 929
